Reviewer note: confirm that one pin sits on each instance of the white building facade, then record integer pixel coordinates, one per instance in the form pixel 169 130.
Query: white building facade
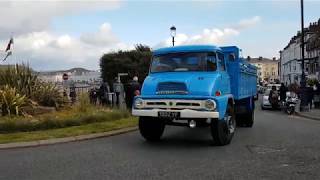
pixel 290 65
pixel 290 56
pixel 76 77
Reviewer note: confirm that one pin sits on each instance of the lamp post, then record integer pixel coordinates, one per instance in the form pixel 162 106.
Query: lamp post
pixel 173 33
pixel 304 93
pixel 303 76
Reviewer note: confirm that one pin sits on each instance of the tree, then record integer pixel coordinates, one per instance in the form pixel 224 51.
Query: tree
pixel 134 62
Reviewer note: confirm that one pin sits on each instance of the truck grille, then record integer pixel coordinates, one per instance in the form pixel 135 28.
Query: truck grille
pixel 171 88
pixel 174 104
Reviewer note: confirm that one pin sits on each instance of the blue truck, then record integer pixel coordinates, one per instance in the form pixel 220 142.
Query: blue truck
pixel 197 86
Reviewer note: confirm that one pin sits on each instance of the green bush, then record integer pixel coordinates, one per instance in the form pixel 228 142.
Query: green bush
pixel 47 94
pixel 312 81
pixel 11 101
pixel 135 62
pixel 20 77
pixel 27 83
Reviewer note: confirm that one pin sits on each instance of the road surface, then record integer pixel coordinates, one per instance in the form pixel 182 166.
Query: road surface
pixel 277 147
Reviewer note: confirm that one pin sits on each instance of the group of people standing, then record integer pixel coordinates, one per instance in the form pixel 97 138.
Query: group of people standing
pixel 312 94
pixel 102 95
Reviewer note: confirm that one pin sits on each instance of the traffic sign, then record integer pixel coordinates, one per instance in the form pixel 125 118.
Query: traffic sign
pixel 65 76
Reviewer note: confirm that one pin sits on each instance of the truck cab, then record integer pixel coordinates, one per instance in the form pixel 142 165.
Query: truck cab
pixel 191 86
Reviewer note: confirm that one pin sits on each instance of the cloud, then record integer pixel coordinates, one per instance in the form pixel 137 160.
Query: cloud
pixel 23 16
pixel 212 36
pixel 102 37
pixel 46 50
pixel 247 23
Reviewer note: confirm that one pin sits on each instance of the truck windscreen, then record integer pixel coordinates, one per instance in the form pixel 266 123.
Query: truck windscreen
pixel 193 61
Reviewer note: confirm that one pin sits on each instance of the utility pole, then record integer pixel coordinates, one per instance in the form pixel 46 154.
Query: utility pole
pixel 304 94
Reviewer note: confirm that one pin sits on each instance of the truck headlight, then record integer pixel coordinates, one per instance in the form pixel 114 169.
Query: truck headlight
pixel 138 103
pixel 210 104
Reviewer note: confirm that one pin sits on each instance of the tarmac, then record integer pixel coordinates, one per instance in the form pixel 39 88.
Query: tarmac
pixel 66 139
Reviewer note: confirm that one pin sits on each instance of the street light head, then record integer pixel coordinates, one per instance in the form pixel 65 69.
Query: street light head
pixel 173 31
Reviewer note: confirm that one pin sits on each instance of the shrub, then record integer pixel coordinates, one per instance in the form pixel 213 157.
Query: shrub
pixel 312 81
pixel 47 94
pixel 20 77
pixel 11 101
pixel 135 62
pixel 84 103
pixel 26 83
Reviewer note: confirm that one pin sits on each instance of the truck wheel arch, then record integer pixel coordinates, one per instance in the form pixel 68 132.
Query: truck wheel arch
pixel 223 102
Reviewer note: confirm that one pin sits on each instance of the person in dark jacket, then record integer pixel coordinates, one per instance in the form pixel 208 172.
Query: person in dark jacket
pixel 283 91
pixel 73 94
pixel 102 93
pixel 133 89
pixel 310 96
pixel 273 97
pixel 316 97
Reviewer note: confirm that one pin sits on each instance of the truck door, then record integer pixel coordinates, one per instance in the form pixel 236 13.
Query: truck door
pixel 225 79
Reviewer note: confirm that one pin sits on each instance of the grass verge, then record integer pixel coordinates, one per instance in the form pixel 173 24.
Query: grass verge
pixel 96 127
pixel 61 119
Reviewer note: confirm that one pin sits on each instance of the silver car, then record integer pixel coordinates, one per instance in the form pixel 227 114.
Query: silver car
pixel 265 103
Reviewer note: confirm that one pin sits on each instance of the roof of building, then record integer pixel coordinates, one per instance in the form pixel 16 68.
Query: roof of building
pixel 262 60
pixel 313 28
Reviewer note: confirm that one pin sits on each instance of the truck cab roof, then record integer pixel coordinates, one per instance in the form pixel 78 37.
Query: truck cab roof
pixel 188 48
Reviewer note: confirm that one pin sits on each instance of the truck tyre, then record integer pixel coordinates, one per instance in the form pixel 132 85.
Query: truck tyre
pixel 151 128
pixel 222 131
pixel 249 119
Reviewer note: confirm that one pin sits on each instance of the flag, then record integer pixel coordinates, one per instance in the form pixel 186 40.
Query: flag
pixel 9 44
pixel 8 54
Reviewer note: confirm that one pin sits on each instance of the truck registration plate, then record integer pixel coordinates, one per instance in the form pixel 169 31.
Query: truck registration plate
pixel 171 115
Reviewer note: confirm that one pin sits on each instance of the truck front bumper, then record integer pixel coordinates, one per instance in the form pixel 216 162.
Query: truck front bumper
pixel 184 113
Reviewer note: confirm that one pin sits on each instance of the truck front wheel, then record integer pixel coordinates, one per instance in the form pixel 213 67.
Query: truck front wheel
pixel 151 128
pixel 222 131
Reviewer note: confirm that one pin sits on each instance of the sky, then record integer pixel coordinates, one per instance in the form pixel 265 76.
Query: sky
pixel 62 34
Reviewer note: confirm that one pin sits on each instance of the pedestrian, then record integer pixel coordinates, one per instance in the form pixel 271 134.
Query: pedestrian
pixel 93 94
pixel 310 95
pixel 283 91
pixel 73 94
pixel 273 97
pixel 103 93
pixel 132 90
pixel 316 98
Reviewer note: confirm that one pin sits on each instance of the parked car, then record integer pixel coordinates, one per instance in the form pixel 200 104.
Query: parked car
pixel 269 86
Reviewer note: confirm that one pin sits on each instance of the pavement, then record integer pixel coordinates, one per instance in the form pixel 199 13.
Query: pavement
pixel 313 114
pixel 277 147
